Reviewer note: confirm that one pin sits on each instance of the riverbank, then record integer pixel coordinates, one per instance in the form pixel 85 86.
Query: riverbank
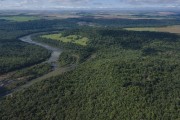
pixel 56 52
pixel 53 60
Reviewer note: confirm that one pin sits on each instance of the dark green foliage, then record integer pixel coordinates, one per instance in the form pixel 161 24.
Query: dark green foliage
pixel 135 75
pixel 21 77
pixel 122 82
pixel 15 55
pixel 34 71
pixel 2 90
pixel 30 73
pixel 96 90
pixel 149 51
pixel 128 22
pixel 83 52
pixel 37 25
pixel 67 58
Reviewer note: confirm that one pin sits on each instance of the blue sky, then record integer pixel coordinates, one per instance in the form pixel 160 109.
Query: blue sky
pixel 86 4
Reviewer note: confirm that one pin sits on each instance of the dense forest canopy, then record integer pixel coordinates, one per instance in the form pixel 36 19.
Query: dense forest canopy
pixel 120 75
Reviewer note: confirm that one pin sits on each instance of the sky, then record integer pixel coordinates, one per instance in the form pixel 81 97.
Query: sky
pixel 87 4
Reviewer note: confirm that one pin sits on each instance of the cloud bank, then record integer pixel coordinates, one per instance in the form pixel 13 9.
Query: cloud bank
pixel 55 4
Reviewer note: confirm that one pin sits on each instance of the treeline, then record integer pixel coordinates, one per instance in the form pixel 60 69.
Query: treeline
pixel 15 55
pixel 116 22
pixel 67 58
pixel 108 37
pixel 83 52
pixel 122 82
pixel 37 25
pixel 23 76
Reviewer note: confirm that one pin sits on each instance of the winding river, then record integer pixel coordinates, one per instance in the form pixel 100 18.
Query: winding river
pixel 53 60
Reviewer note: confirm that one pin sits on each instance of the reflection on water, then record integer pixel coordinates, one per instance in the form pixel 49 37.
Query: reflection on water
pixel 55 51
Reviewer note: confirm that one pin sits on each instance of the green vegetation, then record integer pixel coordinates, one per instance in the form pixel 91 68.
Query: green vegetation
pixel 33 71
pixel 20 18
pixel 135 75
pixel 15 55
pixel 142 29
pixel 170 29
pixel 67 58
pixel 71 38
pixel 125 23
pixel 82 52
pixel 21 77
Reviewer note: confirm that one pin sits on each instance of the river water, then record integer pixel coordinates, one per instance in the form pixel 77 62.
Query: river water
pixel 56 52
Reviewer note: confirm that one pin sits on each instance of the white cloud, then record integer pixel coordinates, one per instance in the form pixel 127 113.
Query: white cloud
pixel 159 2
pixel 45 4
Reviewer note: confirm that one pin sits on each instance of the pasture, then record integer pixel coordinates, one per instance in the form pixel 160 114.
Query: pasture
pixel 170 29
pixel 20 18
pixel 76 39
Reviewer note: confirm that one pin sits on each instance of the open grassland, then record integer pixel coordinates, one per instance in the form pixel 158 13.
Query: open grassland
pixel 20 18
pixel 71 38
pixel 170 29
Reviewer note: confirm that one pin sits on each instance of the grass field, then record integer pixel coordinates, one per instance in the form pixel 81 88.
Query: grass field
pixel 71 38
pixel 170 29
pixel 20 18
